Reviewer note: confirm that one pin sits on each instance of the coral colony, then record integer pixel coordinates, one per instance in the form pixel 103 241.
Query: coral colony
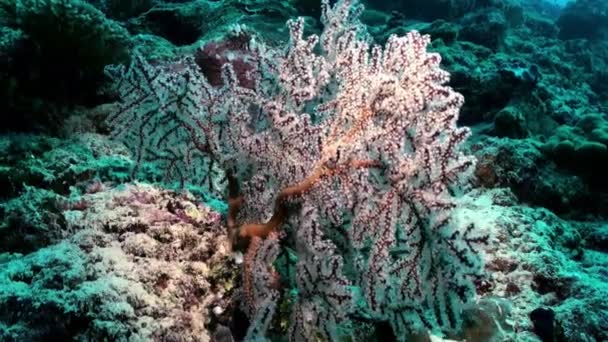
pixel 333 133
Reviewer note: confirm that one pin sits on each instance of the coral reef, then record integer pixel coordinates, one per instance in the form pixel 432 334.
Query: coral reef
pixel 99 241
pixel 55 56
pixel 139 264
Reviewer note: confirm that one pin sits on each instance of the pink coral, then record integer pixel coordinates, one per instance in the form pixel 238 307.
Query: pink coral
pixel 332 128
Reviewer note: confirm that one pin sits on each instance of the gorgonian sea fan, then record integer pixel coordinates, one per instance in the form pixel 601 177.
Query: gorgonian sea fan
pixel 334 132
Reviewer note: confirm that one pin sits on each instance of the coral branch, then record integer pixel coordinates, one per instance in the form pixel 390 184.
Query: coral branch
pixel 280 214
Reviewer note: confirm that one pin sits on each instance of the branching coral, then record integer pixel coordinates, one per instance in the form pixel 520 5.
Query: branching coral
pixel 335 133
